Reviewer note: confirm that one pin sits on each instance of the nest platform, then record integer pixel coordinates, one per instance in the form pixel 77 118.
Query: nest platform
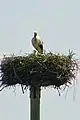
pixel 33 69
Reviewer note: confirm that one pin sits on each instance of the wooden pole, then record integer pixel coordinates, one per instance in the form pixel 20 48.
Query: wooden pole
pixel 35 103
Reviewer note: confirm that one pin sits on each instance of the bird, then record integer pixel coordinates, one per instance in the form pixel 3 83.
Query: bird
pixel 37 43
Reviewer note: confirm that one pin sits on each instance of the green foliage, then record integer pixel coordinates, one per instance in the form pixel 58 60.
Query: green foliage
pixel 38 70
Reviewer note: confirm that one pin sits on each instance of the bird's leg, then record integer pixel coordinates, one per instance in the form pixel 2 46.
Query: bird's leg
pixel 35 52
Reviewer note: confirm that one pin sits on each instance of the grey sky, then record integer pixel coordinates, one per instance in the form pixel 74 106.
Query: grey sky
pixel 58 23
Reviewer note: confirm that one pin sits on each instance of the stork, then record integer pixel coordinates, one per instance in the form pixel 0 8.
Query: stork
pixel 37 43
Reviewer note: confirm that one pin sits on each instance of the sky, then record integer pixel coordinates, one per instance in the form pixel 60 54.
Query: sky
pixel 58 24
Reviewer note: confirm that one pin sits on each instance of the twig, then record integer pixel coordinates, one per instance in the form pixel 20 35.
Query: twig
pixel 3 87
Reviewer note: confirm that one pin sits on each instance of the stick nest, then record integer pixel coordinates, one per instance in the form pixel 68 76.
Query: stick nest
pixel 38 70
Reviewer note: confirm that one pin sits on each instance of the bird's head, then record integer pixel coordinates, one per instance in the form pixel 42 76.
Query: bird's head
pixel 35 34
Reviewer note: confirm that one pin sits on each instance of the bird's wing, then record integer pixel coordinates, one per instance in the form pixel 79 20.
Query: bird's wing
pixel 39 40
pixel 40 45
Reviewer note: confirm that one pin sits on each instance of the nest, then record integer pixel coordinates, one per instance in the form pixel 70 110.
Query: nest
pixel 33 69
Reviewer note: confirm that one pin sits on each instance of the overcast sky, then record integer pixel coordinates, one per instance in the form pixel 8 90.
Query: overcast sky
pixel 58 24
